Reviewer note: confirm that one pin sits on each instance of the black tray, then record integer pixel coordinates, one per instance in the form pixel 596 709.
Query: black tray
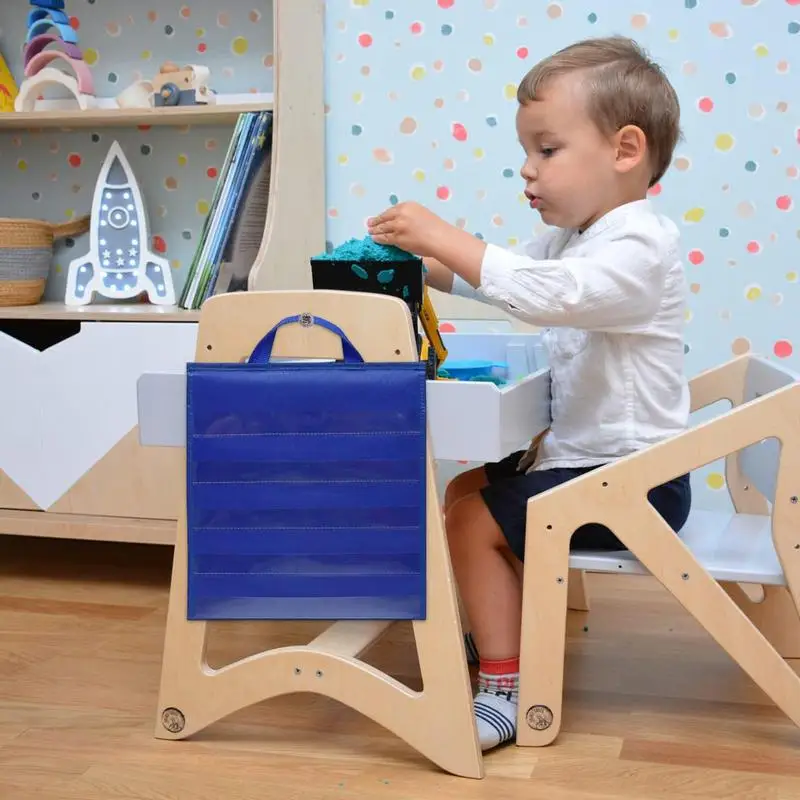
pixel 404 281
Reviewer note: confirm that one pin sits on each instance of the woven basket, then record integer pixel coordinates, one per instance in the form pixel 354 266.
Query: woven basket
pixel 26 253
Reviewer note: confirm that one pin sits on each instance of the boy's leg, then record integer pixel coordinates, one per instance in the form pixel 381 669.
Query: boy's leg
pixel 461 486
pixel 491 592
pixel 489 584
pixel 468 482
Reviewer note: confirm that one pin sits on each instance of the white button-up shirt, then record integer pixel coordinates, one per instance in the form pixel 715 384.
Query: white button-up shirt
pixel 612 302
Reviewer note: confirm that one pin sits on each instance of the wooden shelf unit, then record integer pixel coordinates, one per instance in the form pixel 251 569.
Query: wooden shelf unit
pixel 84 377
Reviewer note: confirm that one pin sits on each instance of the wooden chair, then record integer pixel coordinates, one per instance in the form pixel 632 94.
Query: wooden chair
pixel 705 565
pixel 436 721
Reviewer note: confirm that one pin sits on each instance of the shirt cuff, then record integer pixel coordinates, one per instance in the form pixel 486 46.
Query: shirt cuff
pixel 496 266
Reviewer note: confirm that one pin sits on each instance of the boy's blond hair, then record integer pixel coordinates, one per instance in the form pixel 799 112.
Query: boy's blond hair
pixel 624 87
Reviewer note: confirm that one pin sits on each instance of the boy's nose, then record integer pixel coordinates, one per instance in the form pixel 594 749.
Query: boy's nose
pixel 528 172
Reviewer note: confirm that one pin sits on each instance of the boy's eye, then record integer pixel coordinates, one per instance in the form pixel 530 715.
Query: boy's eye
pixel 548 151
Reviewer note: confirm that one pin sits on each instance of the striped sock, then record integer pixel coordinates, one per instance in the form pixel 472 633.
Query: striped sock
pixel 471 648
pixel 495 704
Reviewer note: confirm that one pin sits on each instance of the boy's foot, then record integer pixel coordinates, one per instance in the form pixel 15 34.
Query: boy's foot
pixel 495 717
pixel 495 704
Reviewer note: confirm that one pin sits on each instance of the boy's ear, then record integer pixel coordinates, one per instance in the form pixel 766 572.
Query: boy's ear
pixel 631 147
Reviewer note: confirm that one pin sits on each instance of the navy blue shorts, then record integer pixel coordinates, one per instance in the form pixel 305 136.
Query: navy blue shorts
pixel 509 490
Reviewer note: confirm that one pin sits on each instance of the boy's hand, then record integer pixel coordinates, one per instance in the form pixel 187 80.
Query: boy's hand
pixel 409 226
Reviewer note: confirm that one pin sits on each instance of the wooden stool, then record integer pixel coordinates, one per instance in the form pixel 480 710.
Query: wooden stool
pixel 437 721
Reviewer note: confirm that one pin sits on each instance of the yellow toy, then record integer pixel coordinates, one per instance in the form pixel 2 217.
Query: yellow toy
pixel 8 87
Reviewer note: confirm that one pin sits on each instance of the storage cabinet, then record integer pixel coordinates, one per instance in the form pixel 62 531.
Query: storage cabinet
pixel 70 460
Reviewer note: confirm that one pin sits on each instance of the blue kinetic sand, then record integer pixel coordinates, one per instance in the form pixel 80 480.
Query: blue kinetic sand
pixel 366 249
pixel 475 370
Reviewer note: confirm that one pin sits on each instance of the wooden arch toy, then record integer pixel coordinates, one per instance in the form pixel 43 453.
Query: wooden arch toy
pixel 54 14
pixel 67 32
pixel 44 40
pixel 30 88
pixel 83 75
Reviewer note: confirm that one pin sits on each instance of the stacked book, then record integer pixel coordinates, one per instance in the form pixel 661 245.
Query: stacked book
pixel 234 226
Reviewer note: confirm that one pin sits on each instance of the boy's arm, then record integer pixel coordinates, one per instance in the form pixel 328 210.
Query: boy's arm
pixel 438 276
pixel 619 287
pixel 442 278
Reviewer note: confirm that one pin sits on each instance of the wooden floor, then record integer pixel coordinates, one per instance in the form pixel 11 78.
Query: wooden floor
pixel 654 708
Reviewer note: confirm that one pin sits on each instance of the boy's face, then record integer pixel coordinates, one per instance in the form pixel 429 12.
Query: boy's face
pixel 569 172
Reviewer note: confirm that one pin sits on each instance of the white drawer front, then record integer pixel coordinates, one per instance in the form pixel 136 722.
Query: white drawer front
pixel 63 409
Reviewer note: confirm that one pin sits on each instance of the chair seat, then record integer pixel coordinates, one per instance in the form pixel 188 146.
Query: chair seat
pixel 731 547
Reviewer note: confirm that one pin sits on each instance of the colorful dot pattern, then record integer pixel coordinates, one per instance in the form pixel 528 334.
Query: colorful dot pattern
pixel 53 172
pixel 438 128
pixel 420 105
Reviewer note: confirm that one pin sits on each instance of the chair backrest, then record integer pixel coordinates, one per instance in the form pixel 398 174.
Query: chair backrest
pixel 759 462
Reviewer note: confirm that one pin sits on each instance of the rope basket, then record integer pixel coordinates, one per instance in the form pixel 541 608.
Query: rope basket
pixel 26 253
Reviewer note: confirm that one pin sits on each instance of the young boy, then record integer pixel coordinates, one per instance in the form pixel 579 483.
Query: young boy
pixel 598 122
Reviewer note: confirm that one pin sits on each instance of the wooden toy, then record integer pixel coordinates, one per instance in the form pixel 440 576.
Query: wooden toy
pixel 54 15
pixel 56 5
pixel 65 30
pixel 43 40
pixel 49 76
pixel 52 41
pixel 83 75
pixel 119 263
pixel 173 86
pixel 706 563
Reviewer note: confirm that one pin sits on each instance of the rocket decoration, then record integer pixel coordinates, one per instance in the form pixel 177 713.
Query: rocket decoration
pixel 119 264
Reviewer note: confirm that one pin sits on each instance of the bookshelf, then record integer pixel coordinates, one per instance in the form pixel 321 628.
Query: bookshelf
pixel 70 462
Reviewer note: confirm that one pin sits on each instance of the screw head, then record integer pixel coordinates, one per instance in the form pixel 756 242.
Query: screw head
pixel 173 720
pixel 539 718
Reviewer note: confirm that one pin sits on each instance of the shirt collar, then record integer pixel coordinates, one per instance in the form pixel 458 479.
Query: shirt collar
pixel 615 217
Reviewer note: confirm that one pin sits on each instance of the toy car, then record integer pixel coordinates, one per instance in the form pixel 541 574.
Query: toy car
pixel 174 86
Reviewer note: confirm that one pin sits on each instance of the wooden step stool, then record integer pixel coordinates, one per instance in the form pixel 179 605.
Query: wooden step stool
pixel 438 720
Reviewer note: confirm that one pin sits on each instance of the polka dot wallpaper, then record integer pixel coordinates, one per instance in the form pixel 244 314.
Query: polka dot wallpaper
pixel 422 102
pixel 420 105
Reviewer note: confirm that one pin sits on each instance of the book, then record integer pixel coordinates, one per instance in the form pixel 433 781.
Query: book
pixel 249 148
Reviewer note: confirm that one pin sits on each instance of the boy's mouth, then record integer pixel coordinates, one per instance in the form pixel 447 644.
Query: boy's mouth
pixel 534 200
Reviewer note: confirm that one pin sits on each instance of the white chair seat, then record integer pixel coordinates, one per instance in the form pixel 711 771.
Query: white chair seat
pixel 731 547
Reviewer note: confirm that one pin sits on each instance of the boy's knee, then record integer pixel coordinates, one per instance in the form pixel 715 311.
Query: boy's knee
pixel 458 517
pixel 463 485
pixel 452 493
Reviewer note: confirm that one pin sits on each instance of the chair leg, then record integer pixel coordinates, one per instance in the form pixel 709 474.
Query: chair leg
pixel 544 618
pixel 775 616
pixel 577 596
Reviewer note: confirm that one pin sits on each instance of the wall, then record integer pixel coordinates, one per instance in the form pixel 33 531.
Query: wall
pixel 422 108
